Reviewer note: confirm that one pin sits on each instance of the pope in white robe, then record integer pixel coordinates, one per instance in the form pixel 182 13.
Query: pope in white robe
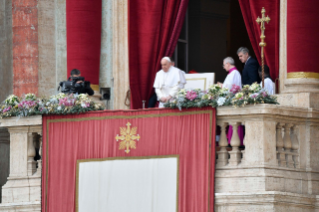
pixel 168 81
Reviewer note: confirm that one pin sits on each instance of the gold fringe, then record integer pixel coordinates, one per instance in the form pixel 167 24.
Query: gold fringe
pixel 299 75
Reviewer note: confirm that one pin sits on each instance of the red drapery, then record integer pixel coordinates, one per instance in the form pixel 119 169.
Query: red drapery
pixel 251 9
pixel 188 134
pixel 302 36
pixel 83 25
pixel 154 28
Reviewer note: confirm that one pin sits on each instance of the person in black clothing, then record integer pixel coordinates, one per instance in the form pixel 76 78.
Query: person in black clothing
pixel 81 86
pixel 250 71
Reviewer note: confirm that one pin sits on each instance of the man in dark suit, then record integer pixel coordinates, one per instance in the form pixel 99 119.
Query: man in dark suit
pixel 250 71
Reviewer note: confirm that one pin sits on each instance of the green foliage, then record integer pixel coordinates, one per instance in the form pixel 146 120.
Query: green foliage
pixel 216 96
pixel 60 104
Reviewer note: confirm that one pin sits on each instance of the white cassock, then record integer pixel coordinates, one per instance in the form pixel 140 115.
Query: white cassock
pixel 269 86
pixel 168 83
pixel 183 79
pixel 233 77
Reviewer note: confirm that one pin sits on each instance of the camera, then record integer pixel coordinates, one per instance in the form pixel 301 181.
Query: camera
pixel 72 86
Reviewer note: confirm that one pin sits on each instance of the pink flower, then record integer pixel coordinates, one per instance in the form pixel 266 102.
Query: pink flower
pixel 191 95
pixel 264 94
pixel 7 109
pixel 254 95
pixel 235 89
pixel 27 104
pixel 66 102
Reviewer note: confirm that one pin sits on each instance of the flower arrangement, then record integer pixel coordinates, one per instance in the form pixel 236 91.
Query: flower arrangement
pixel 216 96
pixel 30 104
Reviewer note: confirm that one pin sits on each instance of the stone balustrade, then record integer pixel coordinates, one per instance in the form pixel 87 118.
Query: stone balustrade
pixel 279 160
pixel 276 170
pixel 22 191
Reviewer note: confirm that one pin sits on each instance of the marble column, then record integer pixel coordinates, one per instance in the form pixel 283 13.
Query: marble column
pixel 120 61
pixel 301 46
pixel 4 157
pixel 6 74
pixel 25 46
pixel 52 45
pixel 106 61
pixel 296 89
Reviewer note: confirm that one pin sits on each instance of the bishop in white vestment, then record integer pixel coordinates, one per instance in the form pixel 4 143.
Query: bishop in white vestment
pixel 168 81
pixel 233 77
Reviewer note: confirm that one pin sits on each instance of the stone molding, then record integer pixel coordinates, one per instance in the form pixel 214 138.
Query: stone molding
pixel 265 200
pixel 19 122
pixel 268 112
pixel 21 207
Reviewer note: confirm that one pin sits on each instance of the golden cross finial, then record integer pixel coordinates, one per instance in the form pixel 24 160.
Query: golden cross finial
pixel 262 44
pixel 262 21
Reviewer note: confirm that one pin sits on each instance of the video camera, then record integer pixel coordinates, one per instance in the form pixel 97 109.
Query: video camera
pixel 71 86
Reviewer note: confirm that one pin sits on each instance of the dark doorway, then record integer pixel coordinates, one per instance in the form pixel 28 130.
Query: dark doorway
pixel 213 30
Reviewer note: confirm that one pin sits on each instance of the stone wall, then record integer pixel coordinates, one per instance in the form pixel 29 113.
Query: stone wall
pixel 6 76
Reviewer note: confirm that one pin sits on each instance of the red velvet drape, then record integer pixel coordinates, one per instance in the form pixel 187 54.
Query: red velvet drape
pixel 251 9
pixel 302 36
pixel 154 28
pixel 186 133
pixel 83 25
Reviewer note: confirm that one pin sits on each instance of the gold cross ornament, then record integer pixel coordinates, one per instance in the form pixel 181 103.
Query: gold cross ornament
pixel 262 44
pixel 262 21
pixel 128 138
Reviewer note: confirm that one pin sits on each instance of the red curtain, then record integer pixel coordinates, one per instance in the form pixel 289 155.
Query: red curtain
pixel 154 28
pixel 302 36
pixel 188 134
pixel 251 9
pixel 83 25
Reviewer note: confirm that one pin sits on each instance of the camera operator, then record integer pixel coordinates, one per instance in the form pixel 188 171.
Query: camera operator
pixel 76 84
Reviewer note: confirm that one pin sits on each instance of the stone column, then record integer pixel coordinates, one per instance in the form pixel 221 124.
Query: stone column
pixel 302 72
pixel 106 61
pixel 23 185
pixel 283 45
pixel 25 46
pixel 260 142
pixel 4 156
pixel 6 74
pixel 120 53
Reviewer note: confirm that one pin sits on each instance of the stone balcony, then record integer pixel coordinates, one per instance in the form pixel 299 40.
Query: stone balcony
pixel 278 170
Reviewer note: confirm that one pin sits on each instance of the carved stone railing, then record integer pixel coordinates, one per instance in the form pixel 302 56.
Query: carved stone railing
pixel 280 154
pixel 276 170
pixel 22 191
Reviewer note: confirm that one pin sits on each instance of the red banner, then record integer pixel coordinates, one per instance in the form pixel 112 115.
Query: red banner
pixel 187 133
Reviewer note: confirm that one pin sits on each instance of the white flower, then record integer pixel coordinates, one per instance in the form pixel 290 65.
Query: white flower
pixel 221 101
pixel 255 87
pixel 30 96
pixel 59 108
